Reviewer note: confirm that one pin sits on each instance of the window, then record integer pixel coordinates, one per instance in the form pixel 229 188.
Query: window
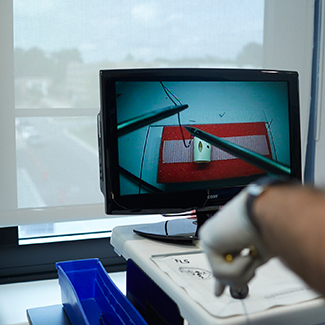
pixel 50 97
pixel 59 48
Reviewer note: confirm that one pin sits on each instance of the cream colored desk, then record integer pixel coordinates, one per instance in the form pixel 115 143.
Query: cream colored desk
pixel 140 250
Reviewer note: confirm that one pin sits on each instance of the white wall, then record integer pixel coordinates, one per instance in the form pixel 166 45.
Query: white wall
pixel 319 132
pixel 288 44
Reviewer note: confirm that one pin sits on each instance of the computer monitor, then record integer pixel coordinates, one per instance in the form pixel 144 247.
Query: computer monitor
pixel 184 139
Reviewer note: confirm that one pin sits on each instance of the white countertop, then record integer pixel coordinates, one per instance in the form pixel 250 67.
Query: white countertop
pixel 141 250
pixel 16 298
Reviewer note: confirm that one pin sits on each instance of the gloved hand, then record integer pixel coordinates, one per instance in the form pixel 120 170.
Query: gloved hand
pixel 233 245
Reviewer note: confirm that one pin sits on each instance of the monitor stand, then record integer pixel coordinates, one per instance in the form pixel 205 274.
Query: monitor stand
pixel 184 231
pixel 181 231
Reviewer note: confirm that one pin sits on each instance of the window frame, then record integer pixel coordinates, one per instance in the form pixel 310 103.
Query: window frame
pixel 37 261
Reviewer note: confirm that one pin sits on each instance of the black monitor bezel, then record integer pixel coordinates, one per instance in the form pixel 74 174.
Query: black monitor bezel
pixel 177 201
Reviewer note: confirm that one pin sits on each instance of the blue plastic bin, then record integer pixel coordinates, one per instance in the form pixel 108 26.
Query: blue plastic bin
pixel 90 297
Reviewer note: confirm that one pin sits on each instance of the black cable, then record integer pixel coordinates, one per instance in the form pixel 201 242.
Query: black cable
pixel 143 154
pixel 181 128
pixel 170 94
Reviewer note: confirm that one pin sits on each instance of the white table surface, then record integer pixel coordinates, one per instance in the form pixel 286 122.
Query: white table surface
pixel 16 298
pixel 140 250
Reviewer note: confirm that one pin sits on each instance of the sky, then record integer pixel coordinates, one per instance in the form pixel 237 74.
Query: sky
pixel 144 29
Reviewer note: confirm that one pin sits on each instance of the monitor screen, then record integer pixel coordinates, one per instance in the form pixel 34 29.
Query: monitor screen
pixel 178 139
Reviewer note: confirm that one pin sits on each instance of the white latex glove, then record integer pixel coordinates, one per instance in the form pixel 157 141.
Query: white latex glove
pixel 233 245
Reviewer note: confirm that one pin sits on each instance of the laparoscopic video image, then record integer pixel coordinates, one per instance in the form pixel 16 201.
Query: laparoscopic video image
pixel 181 135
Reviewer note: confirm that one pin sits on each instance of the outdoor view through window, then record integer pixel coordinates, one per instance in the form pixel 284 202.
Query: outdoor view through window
pixel 61 45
